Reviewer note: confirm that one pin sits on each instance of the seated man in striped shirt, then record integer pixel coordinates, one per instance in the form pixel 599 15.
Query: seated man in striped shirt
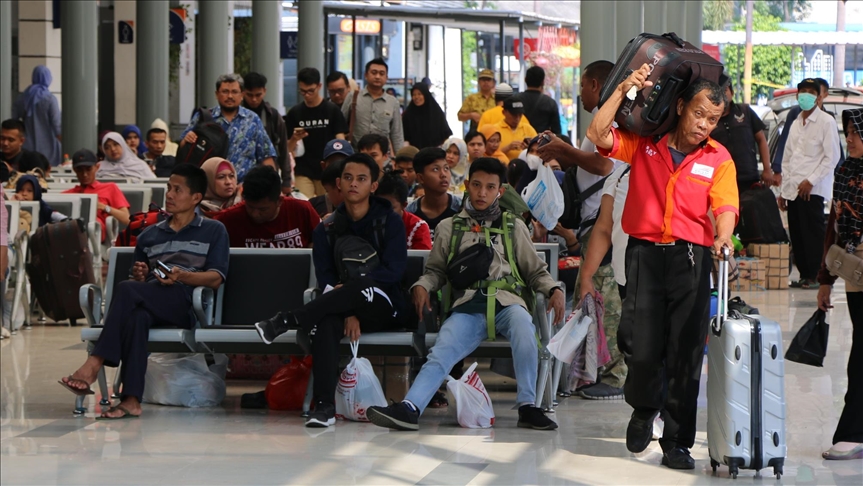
pixel 171 259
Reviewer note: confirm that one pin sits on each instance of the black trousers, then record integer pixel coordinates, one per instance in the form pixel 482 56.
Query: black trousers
pixel 663 326
pixel 135 308
pixel 807 225
pixel 850 428
pixel 324 320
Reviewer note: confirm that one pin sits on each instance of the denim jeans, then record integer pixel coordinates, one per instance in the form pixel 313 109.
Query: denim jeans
pixel 461 334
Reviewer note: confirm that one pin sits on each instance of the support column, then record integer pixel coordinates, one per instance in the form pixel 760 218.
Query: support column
pixel 310 38
pixel 675 18
pixel 216 29
pixel 5 60
pixel 629 23
pixel 125 65
pixel 839 49
pixel 153 62
pixel 79 22
pixel 694 22
pixel 597 43
pixel 266 24
pixel 654 17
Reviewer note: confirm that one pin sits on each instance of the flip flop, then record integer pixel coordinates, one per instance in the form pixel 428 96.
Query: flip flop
pixel 126 414
pixel 77 391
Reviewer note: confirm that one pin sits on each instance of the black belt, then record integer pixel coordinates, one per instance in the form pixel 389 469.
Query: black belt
pixel 633 241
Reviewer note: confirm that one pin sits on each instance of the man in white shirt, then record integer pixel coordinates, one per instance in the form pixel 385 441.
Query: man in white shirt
pixel 810 156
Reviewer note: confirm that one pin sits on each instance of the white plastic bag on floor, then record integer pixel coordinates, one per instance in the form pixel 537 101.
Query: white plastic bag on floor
pixel 472 403
pixel 185 380
pixel 564 344
pixel 544 197
pixel 358 389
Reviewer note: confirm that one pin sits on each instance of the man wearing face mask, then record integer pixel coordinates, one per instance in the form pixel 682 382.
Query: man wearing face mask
pixel 810 156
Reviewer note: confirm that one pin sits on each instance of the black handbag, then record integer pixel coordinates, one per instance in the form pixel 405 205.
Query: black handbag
pixel 809 346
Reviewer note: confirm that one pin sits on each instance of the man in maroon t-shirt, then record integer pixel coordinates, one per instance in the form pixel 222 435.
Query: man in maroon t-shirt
pixel 267 219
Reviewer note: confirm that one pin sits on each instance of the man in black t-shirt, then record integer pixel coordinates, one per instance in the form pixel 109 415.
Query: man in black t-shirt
pixel 13 154
pixel 741 131
pixel 540 109
pixel 315 122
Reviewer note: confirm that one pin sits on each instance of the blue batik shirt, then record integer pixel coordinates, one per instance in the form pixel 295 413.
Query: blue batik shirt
pixel 248 142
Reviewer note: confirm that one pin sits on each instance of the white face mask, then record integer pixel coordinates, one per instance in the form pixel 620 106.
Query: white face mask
pixel 533 161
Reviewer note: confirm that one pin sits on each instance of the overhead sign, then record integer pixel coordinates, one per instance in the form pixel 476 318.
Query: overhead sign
pixel 126 32
pixel 364 26
pixel 530 45
pixel 177 27
pixel 288 45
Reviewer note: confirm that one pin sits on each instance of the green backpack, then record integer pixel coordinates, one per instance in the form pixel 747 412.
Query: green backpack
pixel 511 283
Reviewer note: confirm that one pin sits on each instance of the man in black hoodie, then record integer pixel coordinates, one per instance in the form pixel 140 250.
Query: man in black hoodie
pixel 254 91
pixel 371 302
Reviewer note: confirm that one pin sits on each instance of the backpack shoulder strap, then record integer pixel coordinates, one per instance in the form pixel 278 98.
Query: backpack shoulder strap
pixel 379 226
pixel 206 115
pixel 597 186
pixel 459 228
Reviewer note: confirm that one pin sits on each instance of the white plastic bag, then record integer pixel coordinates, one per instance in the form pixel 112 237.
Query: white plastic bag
pixel 472 403
pixel 358 389
pixel 544 197
pixel 564 344
pixel 185 380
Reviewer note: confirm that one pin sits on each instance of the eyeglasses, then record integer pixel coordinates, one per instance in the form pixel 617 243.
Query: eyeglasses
pixel 309 91
pixel 337 91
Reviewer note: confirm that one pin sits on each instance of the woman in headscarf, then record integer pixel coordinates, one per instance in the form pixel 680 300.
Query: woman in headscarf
pixel 492 143
pixel 423 121
pixel 27 188
pixel 222 190
pixel 134 139
pixel 457 159
pixel 40 111
pixel 845 229
pixel 120 161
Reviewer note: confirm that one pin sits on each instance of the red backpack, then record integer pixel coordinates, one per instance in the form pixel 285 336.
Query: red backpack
pixel 138 222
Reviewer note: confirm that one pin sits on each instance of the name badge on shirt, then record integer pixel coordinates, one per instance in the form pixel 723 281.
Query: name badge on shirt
pixel 702 170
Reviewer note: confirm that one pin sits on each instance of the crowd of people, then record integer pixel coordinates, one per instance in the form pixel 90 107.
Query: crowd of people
pixel 353 173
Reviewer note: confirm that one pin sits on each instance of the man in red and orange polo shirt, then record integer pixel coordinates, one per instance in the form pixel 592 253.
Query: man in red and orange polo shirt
pixel 675 180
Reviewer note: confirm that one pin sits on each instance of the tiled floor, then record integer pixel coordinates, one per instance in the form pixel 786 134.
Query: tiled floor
pixel 41 442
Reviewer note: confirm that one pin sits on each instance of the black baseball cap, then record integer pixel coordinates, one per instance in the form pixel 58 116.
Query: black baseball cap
pixel 809 83
pixel 514 105
pixel 84 158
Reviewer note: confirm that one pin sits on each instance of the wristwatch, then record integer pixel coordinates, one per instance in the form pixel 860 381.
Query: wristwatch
pixel 107 209
pixel 551 292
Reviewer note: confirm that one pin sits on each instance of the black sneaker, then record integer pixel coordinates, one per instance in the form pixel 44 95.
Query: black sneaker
pixel 323 415
pixel 678 458
pixel 275 326
pixel 601 391
pixel 530 417
pixel 398 416
pixel 639 432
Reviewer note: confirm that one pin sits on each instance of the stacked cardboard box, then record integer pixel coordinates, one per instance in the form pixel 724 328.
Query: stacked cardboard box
pixel 753 274
pixel 777 261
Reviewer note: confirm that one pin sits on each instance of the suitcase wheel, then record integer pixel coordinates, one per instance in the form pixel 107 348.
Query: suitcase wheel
pixel 714 465
pixel 733 470
pixel 777 470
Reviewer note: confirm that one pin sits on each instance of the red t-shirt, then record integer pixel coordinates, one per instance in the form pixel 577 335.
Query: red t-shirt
pixel 417 231
pixel 107 192
pixel 292 228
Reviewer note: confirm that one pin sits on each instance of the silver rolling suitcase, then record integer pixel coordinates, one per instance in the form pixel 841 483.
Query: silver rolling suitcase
pixel 745 389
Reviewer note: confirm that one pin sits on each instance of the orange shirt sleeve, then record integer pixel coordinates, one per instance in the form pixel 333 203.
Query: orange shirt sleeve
pixel 625 145
pixel 723 192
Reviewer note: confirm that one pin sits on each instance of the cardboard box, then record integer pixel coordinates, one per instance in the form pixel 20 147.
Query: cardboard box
pixel 775 271
pixel 756 250
pixel 785 252
pixel 775 251
pixel 777 283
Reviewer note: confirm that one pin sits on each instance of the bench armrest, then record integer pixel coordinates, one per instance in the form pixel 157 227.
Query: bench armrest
pixel 311 294
pixel 541 317
pixel 90 299
pixel 202 304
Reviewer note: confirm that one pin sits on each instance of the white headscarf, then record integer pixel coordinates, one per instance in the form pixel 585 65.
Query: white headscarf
pixel 460 171
pixel 128 165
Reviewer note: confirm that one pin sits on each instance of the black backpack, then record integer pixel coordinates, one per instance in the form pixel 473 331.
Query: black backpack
pixel 573 199
pixel 212 141
pixel 354 256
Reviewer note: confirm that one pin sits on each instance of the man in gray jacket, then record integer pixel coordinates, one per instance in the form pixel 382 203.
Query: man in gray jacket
pixel 472 320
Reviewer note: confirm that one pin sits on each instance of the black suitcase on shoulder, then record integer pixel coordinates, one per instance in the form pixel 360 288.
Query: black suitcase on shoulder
pixel 212 142
pixel 760 221
pixel 675 64
pixel 60 263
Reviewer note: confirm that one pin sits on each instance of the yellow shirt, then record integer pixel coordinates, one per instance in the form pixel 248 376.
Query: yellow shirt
pixel 477 103
pixel 491 117
pixel 508 135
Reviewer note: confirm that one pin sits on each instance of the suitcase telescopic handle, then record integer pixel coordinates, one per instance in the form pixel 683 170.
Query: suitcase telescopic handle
pixel 722 288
